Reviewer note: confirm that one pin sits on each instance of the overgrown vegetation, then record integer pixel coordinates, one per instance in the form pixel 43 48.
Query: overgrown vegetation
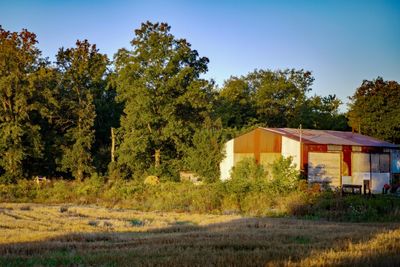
pixel 251 191
pixel 332 206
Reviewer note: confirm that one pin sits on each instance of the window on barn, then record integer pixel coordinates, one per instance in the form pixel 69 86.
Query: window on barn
pixel 375 163
pixel 356 148
pixel 380 163
pixel 334 148
pixel 384 162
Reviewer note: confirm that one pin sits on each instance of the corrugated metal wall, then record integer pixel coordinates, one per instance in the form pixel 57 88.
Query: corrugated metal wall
pixel 291 148
pixel 262 145
pixel 228 162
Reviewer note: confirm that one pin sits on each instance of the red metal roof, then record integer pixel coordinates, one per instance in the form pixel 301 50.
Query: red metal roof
pixel 327 137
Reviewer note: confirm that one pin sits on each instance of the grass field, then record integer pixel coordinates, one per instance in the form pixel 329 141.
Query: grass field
pixel 71 235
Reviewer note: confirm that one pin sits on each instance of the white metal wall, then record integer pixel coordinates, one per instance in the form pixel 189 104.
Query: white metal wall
pixel 372 167
pixel 360 167
pixel 291 148
pixel 228 162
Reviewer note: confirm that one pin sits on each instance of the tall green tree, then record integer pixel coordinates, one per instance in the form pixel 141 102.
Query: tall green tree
pixel 236 106
pixel 165 98
pixel 45 80
pixel 83 72
pixel 322 112
pixel 277 99
pixel 280 95
pixel 19 135
pixel 108 115
pixel 375 110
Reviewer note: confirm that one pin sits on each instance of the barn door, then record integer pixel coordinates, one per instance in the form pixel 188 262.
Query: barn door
pixel 324 168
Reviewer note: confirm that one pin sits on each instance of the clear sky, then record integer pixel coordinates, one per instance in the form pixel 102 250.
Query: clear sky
pixel 341 42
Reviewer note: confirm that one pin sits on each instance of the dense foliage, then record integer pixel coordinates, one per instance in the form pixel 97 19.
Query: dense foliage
pixel 165 99
pixel 56 117
pixel 82 71
pixel 277 99
pixel 19 95
pixel 375 110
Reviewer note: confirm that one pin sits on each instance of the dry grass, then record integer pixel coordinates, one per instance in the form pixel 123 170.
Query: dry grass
pixel 55 235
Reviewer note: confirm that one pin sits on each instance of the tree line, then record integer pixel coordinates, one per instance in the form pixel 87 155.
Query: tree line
pixel 56 118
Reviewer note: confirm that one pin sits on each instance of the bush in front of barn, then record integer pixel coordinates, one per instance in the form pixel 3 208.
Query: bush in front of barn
pixel 263 190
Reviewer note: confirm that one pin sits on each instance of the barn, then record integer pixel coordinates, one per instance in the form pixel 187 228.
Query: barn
pixel 332 157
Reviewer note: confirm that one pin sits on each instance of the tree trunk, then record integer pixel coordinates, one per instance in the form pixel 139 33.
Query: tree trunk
pixel 157 158
pixel 112 145
pixel 79 174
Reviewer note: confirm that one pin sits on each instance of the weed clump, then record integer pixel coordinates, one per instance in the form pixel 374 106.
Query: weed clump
pixel 63 209
pixel 136 223
pixel 25 208
pixel 93 223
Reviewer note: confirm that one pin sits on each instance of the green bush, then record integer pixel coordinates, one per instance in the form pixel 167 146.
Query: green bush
pixel 91 186
pixel 206 152
pixel 285 176
pixel 253 190
pixel 247 169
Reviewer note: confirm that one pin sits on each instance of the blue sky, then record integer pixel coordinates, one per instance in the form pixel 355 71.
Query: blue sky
pixel 341 42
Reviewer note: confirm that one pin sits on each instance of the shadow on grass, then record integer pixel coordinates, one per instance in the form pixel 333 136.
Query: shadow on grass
pixel 241 242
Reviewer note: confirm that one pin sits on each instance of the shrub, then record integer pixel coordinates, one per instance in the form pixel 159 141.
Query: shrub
pixel 247 169
pixel 253 190
pixel 204 156
pixel 25 208
pixel 285 176
pixel 25 190
pixel 91 186
pixel 60 192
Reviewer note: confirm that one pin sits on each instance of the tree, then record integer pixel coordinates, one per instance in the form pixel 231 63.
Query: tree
pixel 236 107
pixel 19 135
pixel 108 114
pixel 321 112
pixel 375 110
pixel 45 80
pixel 83 71
pixel 165 98
pixel 278 96
pixel 204 156
pixel 277 99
